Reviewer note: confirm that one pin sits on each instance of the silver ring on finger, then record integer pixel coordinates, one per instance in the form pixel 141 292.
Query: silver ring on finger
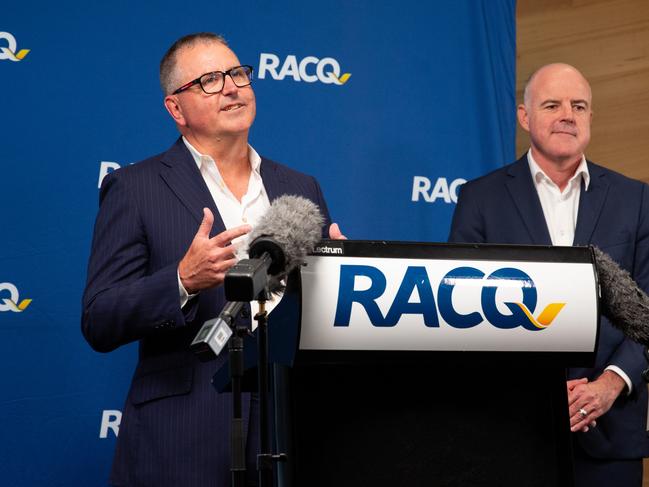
pixel 583 412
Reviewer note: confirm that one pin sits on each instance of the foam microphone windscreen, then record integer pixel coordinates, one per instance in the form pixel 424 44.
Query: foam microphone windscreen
pixel 622 300
pixel 292 226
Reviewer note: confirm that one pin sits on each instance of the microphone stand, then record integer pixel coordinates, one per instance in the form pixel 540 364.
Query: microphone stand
pixel 245 281
pixel 237 439
pixel 265 458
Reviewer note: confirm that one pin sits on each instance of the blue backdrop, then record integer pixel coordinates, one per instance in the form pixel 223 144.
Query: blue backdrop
pixel 429 103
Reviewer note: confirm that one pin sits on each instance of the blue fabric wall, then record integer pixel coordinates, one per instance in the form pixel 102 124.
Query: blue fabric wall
pixel 430 102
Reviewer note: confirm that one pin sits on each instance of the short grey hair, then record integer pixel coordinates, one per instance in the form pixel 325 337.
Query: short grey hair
pixel 169 76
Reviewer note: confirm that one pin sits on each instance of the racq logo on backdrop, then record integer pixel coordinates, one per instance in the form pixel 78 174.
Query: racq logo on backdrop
pixel 309 69
pixel 9 51
pixel 110 421
pixel 105 168
pixel 10 299
pixel 424 189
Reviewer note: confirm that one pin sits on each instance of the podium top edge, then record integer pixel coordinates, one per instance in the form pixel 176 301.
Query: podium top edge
pixel 453 251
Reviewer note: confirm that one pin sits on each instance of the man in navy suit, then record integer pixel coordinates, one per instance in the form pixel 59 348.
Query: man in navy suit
pixel 553 196
pixel 162 244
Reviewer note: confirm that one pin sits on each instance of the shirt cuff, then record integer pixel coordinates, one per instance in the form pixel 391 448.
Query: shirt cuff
pixel 622 374
pixel 184 295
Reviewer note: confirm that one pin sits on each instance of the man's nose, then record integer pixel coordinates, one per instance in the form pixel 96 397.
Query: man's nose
pixel 567 113
pixel 228 85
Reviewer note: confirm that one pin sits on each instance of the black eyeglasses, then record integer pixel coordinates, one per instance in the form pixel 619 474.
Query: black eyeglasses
pixel 213 82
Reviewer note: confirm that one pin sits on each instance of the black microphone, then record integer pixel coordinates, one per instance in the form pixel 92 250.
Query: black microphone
pixel 287 232
pixel 215 333
pixel 622 300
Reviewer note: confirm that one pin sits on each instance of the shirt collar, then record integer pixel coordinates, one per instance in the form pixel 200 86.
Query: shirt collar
pixel 538 173
pixel 200 159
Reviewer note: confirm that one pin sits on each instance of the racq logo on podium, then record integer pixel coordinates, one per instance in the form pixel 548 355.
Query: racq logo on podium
pixel 372 303
pixel 416 280
pixel 9 51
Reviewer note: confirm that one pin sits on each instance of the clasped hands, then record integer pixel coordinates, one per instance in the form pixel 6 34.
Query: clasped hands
pixel 587 401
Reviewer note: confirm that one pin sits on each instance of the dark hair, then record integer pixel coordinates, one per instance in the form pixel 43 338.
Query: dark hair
pixel 168 74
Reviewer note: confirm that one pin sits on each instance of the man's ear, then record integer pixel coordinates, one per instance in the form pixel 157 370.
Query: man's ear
pixel 174 109
pixel 521 113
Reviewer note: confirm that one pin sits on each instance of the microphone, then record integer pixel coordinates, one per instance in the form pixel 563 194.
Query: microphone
pixel 287 232
pixel 215 333
pixel 622 300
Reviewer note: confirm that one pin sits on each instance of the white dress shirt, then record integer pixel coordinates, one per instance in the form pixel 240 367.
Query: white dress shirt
pixel 559 207
pixel 249 210
pixel 560 210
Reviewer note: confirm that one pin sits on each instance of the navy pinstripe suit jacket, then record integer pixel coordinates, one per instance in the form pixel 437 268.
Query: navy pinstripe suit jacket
pixel 504 207
pixel 175 426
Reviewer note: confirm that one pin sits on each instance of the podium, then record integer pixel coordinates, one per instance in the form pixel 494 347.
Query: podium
pixel 430 364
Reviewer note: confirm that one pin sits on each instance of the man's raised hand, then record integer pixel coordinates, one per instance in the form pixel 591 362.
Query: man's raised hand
pixel 208 259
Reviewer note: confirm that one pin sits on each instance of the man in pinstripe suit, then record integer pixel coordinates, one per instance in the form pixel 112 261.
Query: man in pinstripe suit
pixel 160 251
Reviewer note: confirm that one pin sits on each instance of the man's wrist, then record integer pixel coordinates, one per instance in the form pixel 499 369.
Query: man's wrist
pixel 182 281
pixel 622 375
pixel 613 381
pixel 185 294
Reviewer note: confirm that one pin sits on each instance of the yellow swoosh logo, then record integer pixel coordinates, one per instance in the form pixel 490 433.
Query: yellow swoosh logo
pixel 17 308
pixel 546 317
pixel 343 79
pixel 20 55
pixel 12 55
pixel 339 81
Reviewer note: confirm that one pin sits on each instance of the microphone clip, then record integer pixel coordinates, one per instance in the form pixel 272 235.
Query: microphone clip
pixel 215 333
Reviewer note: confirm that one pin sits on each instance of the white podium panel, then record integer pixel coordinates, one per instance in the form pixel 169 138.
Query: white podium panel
pixel 540 299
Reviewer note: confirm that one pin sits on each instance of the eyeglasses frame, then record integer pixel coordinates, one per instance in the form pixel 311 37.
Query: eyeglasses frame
pixel 197 81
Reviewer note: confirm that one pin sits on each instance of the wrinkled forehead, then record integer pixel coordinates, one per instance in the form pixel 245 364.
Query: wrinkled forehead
pixel 197 59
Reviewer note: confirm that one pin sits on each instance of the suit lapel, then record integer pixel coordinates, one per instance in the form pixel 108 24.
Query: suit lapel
pixel 521 189
pixel 591 203
pixel 182 176
pixel 275 182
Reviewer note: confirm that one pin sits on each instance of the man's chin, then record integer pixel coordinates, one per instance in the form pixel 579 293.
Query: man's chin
pixel 566 149
pixel 232 131
pixel 560 153
pixel 235 125
pixel 566 155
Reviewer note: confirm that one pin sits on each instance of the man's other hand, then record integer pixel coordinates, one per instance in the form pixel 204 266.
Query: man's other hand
pixel 335 233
